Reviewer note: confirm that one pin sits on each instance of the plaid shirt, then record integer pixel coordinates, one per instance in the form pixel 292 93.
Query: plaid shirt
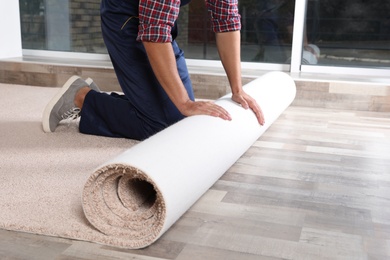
pixel 157 17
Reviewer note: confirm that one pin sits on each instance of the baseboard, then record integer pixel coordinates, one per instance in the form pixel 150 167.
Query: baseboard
pixel 311 92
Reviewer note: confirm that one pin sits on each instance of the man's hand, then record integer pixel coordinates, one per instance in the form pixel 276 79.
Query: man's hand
pixel 247 102
pixel 191 108
pixel 229 50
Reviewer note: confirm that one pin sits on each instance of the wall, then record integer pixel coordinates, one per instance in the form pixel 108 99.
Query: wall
pixel 11 42
pixel 85 26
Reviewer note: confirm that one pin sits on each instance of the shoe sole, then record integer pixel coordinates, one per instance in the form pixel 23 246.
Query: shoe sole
pixel 53 102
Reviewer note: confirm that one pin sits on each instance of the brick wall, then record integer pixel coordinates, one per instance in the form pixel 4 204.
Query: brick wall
pixel 85 23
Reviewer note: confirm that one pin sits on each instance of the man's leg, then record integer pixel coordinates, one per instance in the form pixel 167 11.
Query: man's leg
pixel 112 115
pixel 146 108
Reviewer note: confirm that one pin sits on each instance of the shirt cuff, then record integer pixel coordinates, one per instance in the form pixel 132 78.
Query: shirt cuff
pixel 233 24
pixel 154 33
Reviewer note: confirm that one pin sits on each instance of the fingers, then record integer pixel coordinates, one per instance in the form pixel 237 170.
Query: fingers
pixel 212 109
pixel 206 108
pixel 257 110
pixel 215 110
pixel 259 115
pixel 246 102
pixel 240 100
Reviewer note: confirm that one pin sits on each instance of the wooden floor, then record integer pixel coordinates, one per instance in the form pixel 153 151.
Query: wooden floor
pixel 316 185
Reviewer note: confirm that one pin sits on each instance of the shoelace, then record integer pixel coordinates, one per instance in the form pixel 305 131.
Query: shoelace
pixel 71 114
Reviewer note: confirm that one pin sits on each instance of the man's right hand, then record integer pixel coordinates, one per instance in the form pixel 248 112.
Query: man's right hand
pixel 191 108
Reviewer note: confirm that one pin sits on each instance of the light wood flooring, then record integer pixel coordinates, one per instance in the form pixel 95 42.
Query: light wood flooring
pixel 316 185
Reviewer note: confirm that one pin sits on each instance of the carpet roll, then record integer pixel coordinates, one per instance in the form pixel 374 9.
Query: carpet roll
pixel 138 195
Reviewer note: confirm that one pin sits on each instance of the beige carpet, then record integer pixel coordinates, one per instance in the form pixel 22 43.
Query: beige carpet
pixel 132 195
pixel 42 175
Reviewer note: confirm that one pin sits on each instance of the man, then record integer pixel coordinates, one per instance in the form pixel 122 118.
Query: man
pixel 151 70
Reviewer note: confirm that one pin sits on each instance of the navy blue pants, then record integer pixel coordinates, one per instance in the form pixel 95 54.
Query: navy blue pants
pixel 145 108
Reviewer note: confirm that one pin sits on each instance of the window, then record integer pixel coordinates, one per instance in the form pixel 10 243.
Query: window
pixel 260 42
pixel 72 25
pixel 348 33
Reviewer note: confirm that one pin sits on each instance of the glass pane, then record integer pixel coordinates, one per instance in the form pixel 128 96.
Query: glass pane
pixel 349 33
pixel 267 30
pixel 195 35
pixel 32 22
pixel 61 25
pixel 266 33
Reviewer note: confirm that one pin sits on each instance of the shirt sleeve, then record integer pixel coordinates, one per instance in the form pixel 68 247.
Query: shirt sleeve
pixel 224 15
pixel 157 17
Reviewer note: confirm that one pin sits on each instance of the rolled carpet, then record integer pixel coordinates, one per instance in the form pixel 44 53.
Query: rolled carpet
pixel 138 195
